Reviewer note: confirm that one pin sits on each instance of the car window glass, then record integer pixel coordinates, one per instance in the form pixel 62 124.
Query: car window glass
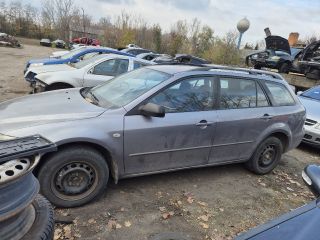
pixel 138 65
pixel 280 94
pixel 189 95
pixel 112 67
pixel 237 93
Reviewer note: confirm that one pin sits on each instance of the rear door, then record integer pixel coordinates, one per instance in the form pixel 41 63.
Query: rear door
pixel 244 113
pixel 183 138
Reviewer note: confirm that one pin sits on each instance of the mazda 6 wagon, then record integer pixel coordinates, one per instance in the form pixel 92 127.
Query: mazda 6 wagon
pixel 156 119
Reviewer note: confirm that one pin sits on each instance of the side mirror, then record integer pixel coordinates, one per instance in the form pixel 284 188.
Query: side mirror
pixel 311 177
pixel 152 110
pixel 299 93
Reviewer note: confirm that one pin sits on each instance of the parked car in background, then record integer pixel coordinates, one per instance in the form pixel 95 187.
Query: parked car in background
pixel 299 224
pixel 135 51
pixel 180 59
pixel 87 41
pixel 59 43
pixel 309 61
pixel 45 42
pixel 71 57
pixel 87 73
pixel 156 119
pixel 311 101
pixel 278 55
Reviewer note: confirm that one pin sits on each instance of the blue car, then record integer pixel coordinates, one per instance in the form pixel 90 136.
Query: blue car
pixel 72 57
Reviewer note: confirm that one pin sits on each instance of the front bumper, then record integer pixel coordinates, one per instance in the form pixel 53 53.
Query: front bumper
pixel 312 136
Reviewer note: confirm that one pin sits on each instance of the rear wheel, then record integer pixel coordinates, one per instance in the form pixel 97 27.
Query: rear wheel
pixel 74 176
pixel 284 68
pixel 266 157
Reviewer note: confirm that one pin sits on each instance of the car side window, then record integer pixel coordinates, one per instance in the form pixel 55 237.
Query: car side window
pixel 138 65
pixel 240 93
pixel 112 67
pixel 280 94
pixel 189 95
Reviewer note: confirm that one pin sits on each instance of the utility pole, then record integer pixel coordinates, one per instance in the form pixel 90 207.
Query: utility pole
pixel 83 22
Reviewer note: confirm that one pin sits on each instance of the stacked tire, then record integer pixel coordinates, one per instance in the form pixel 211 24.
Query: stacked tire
pixel 24 214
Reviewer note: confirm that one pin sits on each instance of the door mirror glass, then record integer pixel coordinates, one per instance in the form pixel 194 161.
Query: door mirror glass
pixel 152 110
pixel 311 177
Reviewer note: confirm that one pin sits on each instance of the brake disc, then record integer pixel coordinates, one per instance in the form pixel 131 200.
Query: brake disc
pixel 13 169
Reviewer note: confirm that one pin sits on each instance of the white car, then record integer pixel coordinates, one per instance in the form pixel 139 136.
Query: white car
pixel 87 73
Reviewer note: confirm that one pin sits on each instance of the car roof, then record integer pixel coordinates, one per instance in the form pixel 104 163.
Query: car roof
pixel 218 70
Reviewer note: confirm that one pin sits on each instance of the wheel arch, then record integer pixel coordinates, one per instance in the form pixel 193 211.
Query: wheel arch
pixel 112 164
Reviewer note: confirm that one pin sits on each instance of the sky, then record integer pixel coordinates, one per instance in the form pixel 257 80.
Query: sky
pixel 281 16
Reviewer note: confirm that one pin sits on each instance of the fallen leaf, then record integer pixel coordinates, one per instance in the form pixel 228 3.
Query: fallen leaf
pixel 162 209
pixel 204 225
pixel 118 226
pixel 111 224
pixel 165 215
pixel 190 199
pixel 127 223
pixel 204 218
pixel 91 220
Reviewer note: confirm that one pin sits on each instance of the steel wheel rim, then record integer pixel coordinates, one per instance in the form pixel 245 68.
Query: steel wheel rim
pixel 74 181
pixel 267 156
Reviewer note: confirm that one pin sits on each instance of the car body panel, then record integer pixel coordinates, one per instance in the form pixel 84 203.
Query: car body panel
pixel 299 224
pixel 65 117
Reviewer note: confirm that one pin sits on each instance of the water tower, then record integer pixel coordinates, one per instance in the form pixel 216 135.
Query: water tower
pixel 242 26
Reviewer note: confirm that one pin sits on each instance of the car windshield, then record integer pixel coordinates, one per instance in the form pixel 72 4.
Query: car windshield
pixel 124 89
pixel 87 61
pixel 71 53
pixel 313 93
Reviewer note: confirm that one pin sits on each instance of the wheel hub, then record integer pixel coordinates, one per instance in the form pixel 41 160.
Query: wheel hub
pixel 267 156
pixel 75 178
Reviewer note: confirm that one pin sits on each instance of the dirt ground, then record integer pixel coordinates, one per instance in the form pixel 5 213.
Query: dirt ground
pixel 210 203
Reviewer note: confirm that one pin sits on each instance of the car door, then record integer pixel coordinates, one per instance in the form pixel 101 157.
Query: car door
pixel 244 113
pixel 182 138
pixel 105 71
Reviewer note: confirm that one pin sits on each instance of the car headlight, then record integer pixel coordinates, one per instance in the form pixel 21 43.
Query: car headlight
pixel 36 64
pixel 5 137
pixel 306 178
pixel 276 58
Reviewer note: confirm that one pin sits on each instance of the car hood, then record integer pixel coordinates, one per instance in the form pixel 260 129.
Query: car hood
pixel 43 108
pixel 278 43
pixel 312 107
pixel 52 68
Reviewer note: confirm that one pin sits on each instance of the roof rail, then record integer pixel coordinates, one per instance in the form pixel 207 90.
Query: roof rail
pixel 246 70
pixel 201 66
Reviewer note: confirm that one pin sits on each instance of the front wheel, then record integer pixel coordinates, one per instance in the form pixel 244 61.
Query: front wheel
pixel 73 176
pixel 284 68
pixel 266 157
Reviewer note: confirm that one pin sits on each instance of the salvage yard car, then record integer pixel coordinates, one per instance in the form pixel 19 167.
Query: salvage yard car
pixel 71 57
pixel 278 55
pixel 311 100
pixel 87 73
pixel 156 119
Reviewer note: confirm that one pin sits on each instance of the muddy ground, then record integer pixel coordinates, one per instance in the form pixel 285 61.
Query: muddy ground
pixel 211 203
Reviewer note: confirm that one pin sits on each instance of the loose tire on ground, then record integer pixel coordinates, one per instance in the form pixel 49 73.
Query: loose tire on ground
pixel 43 225
pixel 73 176
pixel 259 162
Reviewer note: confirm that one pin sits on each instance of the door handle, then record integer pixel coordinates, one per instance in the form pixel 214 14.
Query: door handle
pixel 204 123
pixel 266 116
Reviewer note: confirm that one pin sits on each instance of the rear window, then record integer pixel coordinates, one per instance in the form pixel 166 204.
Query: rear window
pixel 280 94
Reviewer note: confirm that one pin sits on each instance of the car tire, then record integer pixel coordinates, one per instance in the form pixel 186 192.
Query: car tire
pixel 73 176
pixel 284 68
pixel 266 157
pixel 43 225
pixel 257 66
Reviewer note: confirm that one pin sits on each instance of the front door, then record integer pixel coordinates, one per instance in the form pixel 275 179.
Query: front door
pixel 105 71
pixel 244 114
pixel 182 138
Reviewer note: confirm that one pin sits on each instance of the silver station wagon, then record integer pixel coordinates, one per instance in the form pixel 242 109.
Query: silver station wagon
pixel 156 119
